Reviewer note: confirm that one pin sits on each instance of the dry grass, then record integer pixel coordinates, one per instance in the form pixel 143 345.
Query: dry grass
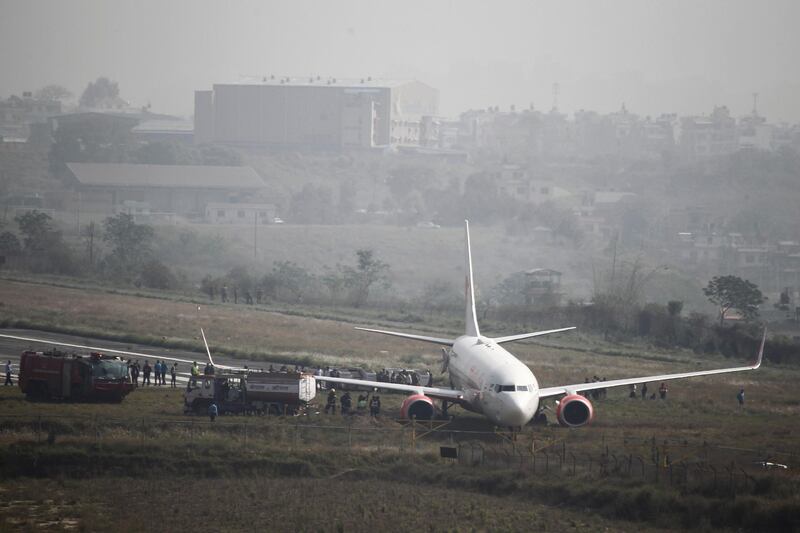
pixel 247 504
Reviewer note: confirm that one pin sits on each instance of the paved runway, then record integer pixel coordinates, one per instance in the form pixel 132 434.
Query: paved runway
pixel 11 349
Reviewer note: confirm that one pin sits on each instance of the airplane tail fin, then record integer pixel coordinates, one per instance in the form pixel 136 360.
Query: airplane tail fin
pixel 471 318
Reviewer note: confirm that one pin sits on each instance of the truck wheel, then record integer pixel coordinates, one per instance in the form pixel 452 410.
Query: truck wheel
pixel 200 407
pixel 37 391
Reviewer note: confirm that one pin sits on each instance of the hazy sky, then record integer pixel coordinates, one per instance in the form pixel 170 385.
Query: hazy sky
pixel 669 56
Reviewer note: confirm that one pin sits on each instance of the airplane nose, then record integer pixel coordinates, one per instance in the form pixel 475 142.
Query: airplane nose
pixel 518 410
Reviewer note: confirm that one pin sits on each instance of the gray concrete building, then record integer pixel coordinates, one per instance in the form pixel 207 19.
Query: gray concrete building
pixel 314 112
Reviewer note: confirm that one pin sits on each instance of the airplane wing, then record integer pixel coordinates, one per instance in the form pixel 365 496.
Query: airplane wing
pixel 111 350
pixel 435 340
pixel 510 338
pixel 433 392
pixel 580 387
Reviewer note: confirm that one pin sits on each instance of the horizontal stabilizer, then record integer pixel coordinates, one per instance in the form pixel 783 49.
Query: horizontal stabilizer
pixel 510 338
pixel 434 340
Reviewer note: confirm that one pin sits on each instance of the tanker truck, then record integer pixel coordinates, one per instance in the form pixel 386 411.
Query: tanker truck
pixel 250 393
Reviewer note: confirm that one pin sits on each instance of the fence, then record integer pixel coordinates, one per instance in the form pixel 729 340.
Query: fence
pixel 541 453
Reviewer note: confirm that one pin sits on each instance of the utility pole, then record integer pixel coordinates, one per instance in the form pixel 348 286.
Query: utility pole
pixel 255 234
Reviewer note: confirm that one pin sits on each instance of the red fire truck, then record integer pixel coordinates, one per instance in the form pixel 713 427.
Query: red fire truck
pixel 65 376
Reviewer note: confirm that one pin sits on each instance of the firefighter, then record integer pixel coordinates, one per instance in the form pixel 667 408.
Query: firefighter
pixel 662 391
pixel 330 405
pixel 212 411
pixel 346 402
pixel 9 369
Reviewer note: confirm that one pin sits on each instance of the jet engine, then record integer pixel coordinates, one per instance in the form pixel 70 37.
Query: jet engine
pixel 574 411
pixel 417 406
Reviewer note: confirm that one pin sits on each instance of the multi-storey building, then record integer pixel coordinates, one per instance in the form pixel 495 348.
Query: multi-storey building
pixel 314 112
pixel 709 136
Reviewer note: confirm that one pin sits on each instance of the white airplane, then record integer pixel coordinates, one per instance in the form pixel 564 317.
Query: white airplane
pixel 488 379
pixel 485 378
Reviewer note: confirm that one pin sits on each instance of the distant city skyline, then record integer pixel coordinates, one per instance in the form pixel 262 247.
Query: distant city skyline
pixel 656 57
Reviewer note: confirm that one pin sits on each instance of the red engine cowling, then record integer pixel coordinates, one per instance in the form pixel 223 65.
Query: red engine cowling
pixel 417 406
pixel 574 411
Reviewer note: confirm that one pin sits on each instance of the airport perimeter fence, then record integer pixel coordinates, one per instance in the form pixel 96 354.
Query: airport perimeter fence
pixel 677 463
pixel 732 477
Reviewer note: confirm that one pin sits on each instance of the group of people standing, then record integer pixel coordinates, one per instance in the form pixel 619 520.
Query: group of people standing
pixel 158 370
pixel 247 296
pixel 662 391
pixel 346 404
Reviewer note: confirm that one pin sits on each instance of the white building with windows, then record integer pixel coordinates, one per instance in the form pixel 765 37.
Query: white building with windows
pixel 230 213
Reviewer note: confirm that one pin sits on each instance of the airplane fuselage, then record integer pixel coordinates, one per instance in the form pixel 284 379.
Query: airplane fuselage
pixel 495 383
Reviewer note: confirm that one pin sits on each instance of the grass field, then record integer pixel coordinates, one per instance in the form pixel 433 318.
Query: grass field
pixel 127 466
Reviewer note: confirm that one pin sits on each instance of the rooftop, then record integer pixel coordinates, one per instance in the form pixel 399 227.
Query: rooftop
pixel 173 176
pixel 320 81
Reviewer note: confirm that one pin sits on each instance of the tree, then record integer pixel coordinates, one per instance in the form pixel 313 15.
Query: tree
pixel 53 93
pixel 288 281
pixel 369 271
pixel 157 275
pixel 100 91
pixel 36 229
pixel 240 278
pixel 733 292
pixel 130 244
pixel 91 137
pixel 335 282
pixel 46 250
pixel 9 244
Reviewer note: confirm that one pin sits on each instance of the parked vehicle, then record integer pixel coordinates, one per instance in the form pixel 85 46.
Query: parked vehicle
pixel 250 393
pixel 65 376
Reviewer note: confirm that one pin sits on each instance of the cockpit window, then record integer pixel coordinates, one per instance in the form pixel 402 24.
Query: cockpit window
pixel 505 388
pixel 523 388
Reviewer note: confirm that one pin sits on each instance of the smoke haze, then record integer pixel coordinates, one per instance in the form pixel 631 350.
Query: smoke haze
pixel 678 56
